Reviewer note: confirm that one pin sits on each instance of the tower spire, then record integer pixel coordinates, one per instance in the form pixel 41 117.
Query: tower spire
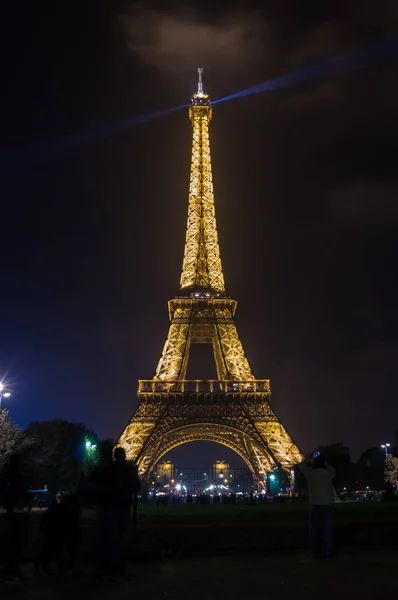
pixel 201 270
pixel 200 83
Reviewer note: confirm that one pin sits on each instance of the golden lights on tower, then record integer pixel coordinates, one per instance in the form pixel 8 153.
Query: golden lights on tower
pixel 235 409
pixel 202 263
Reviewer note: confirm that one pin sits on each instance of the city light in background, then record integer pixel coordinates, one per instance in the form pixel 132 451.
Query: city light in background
pixel 385 447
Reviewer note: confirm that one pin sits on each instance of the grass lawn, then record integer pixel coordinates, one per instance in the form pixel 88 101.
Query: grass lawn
pixel 231 552
pixel 192 530
pixel 216 530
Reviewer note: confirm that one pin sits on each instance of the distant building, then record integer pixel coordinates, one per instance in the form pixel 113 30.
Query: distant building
pixel 219 478
pixel 221 473
pixel 165 475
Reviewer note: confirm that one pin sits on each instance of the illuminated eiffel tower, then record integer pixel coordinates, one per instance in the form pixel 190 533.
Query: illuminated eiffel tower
pixel 234 410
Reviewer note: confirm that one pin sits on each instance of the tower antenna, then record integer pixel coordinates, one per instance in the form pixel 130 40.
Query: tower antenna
pixel 200 82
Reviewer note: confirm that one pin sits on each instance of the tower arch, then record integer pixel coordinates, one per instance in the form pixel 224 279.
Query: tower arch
pixel 191 433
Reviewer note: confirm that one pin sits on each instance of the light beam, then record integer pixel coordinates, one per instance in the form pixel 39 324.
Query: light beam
pixel 363 57
pixel 366 56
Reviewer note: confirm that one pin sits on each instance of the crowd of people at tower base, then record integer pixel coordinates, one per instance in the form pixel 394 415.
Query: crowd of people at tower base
pixel 230 498
pixel 112 486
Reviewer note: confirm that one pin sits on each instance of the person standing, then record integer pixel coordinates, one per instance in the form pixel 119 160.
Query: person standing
pixel 319 476
pixel 120 482
pixel 13 538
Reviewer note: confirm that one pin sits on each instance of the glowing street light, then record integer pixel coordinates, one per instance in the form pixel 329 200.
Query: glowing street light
pixel 385 447
pixel 90 446
pixel 3 393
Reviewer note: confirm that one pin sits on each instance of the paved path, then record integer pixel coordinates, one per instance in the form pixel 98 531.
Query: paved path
pixel 348 577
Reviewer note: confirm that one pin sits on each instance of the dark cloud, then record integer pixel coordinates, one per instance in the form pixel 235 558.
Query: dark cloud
pixel 177 41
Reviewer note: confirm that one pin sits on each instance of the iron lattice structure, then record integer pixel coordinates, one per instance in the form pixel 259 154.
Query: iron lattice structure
pixel 234 410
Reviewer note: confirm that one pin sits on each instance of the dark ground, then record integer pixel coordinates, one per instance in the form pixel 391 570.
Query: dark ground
pixel 357 576
pixel 235 552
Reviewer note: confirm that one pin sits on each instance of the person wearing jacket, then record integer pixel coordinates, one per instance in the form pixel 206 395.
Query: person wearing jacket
pixel 319 476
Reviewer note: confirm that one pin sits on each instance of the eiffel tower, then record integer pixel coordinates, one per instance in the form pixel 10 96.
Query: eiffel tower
pixel 234 410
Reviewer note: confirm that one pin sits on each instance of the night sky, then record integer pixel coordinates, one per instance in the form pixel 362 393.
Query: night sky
pixel 306 184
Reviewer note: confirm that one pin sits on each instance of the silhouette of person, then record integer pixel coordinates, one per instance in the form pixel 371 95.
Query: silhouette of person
pixel 119 482
pixel 319 476
pixel 72 505
pixel 53 531
pixel 14 535
pixel 60 529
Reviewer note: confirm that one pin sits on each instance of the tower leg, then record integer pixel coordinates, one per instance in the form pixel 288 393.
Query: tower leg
pixel 234 355
pixel 173 362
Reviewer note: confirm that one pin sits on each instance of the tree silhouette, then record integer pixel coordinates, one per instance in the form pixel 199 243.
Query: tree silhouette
pixel 10 437
pixel 391 471
pixel 58 453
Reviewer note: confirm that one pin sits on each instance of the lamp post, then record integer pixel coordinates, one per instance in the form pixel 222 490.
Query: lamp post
pixel 90 455
pixel 90 447
pixel 3 394
pixel 385 447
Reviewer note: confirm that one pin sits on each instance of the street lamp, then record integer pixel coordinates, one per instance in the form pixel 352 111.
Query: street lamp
pixel 3 393
pixel 90 446
pixel 385 447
